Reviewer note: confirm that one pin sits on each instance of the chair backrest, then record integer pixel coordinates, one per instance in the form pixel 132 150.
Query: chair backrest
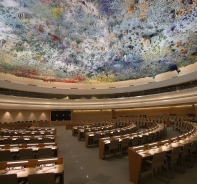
pixel 186 147
pixel 114 144
pixel 96 137
pixel 5 155
pixel 143 139
pixel 194 146
pixel 107 134
pixel 25 154
pixel 150 137
pixel 158 159
pixel 175 153
pixel 135 141
pixel 44 178
pixel 46 139
pixel 8 141
pixel 33 140
pixel 44 153
pixel 20 141
pixel 125 143
pixel 8 178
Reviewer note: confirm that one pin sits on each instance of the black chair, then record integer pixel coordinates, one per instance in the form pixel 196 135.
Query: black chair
pixel 193 150
pixel 157 162
pixel 184 155
pixel 10 179
pixel 25 154
pixel 143 139
pixel 124 145
pixel 44 178
pixel 46 139
pixel 96 138
pixel 135 141
pixel 173 157
pixel 8 141
pixel 20 141
pixel 44 153
pixel 113 146
pixel 33 141
pixel 5 155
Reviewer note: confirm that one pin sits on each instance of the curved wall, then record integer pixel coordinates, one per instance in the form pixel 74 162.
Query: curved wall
pixel 187 73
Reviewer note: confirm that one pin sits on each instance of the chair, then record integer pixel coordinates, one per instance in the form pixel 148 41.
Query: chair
pixel 113 146
pixel 157 162
pixel 10 179
pixel 46 139
pixel 8 141
pixel 33 141
pixel 5 155
pixel 143 139
pixel 135 141
pixel 44 178
pixel 20 141
pixel 150 137
pixel 173 157
pixel 124 145
pixel 25 154
pixel 107 134
pixel 44 153
pixel 96 139
pixel 193 150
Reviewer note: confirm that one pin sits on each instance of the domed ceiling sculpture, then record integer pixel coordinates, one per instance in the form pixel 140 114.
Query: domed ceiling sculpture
pixel 94 41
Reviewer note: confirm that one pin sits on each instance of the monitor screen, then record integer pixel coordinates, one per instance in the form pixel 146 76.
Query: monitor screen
pixel 62 115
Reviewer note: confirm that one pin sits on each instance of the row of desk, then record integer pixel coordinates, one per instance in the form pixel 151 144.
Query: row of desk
pixel 14 148
pixel 82 131
pixel 137 154
pixel 89 136
pixel 34 166
pixel 27 139
pixel 104 142
pixel 26 132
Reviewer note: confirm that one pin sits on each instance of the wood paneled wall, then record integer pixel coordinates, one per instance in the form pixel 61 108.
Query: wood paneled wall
pixel 78 115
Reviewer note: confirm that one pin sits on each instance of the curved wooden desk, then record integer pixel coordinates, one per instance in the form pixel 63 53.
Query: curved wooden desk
pixel 137 154
pixel 103 142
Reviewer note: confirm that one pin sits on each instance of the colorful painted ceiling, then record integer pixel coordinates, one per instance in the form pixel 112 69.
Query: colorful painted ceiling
pixel 93 41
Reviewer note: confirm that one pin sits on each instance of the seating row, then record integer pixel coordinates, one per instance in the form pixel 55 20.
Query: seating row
pixel 28 151
pixel 162 154
pixel 34 171
pixel 26 139
pixel 116 143
pixel 92 138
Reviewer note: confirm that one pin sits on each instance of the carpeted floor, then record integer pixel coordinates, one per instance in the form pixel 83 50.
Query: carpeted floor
pixel 83 166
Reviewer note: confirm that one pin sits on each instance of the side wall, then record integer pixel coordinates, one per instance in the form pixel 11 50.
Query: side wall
pixel 80 115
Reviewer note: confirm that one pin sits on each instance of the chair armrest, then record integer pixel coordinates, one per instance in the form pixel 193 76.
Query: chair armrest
pixel 57 180
pixel 23 182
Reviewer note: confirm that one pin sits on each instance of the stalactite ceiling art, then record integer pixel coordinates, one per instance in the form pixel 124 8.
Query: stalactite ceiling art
pixel 96 41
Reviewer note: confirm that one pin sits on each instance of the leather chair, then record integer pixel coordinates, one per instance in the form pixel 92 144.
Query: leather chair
pixel 10 179
pixel 44 153
pixel 44 178
pixel 25 154
pixel 157 162
pixel 5 155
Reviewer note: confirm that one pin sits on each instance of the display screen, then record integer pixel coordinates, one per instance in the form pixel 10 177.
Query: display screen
pixel 60 115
